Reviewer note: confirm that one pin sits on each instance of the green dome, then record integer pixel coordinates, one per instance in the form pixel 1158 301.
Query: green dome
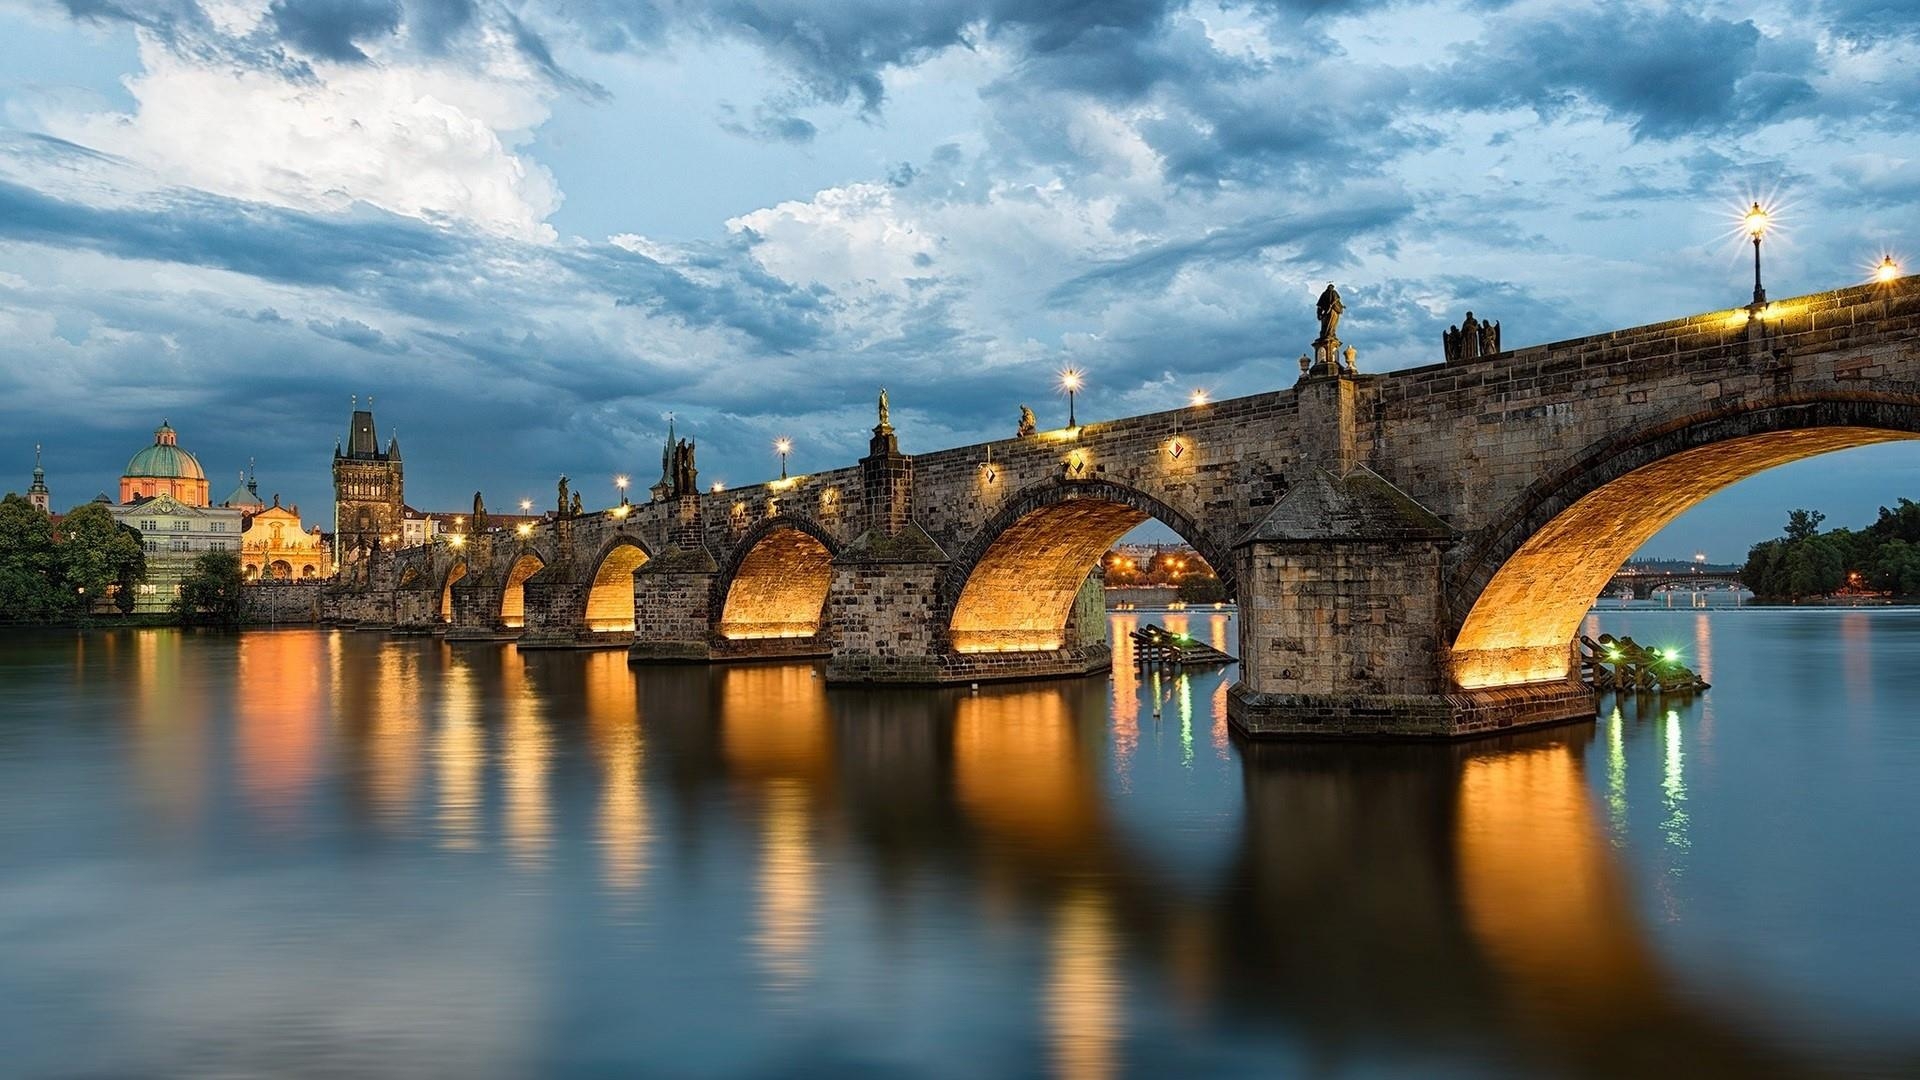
pixel 165 460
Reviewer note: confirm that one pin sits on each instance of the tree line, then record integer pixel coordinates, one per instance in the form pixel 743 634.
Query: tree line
pixel 1806 562
pixel 59 572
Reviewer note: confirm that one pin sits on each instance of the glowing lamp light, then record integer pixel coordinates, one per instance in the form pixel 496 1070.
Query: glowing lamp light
pixel 622 510
pixel 783 446
pixel 457 540
pixel 1070 380
pixel 1199 398
pixel 526 505
pixel 1887 270
pixel 1756 221
pixel 525 529
pixel 1176 449
pixel 718 487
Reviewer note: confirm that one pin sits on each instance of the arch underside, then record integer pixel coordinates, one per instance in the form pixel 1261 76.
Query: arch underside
pixel 458 571
pixel 1521 626
pixel 610 601
pixel 1020 593
pixel 513 598
pixel 780 588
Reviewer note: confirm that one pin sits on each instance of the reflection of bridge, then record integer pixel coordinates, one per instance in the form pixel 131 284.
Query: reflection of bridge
pixel 1412 551
pixel 1645 585
pixel 1462 900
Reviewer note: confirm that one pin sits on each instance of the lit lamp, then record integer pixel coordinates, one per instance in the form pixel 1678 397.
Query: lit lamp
pixel 621 483
pixel 783 446
pixel 1070 381
pixel 1887 270
pixel 525 528
pixel 526 506
pixel 1198 399
pixel 1756 225
pixel 718 487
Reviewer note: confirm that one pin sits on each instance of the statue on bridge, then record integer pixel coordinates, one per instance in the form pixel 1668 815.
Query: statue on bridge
pixel 1330 308
pixel 574 510
pixel 1471 339
pixel 479 521
pixel 686 478
pixel 886 423
pixel 1028 425
pixel 563 495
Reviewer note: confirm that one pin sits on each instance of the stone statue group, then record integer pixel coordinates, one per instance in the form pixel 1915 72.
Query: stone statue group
pixel 1471 339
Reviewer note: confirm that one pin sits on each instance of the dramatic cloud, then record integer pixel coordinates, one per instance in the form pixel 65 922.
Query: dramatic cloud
pixel 254 208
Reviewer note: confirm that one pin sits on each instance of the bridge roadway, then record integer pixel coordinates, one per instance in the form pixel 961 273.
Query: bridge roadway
pixel 1412 551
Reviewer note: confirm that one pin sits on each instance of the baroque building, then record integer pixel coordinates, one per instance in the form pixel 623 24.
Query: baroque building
pixel 277 546
pixel 165 468
pixel 174 533
pixel 369 489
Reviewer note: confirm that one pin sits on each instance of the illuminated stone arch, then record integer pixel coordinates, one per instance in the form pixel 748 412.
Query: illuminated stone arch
pixel 774 585
pixel 455 571
pixel 1517 593
pixel 513 593
pixel 609 607
pixel 1012 587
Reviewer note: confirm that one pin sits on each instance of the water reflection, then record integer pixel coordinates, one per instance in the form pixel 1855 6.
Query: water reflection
pixel 1369 909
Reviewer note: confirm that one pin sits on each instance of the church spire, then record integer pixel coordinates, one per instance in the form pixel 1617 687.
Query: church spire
pixel 38 495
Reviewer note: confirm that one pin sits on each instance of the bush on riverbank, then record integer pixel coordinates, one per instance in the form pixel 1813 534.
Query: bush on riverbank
pixel 52 573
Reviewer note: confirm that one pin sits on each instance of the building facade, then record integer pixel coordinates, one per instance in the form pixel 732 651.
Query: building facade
pixel 37 493
pixel 276 546
pixel 174 534
pixel 369 490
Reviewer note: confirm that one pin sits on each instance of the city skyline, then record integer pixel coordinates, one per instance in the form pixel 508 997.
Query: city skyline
pixel 557 230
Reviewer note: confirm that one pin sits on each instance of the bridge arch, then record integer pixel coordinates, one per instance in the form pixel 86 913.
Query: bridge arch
pixel 609 606
pixel 1517 593
pixel 1012 587
pixel 513 593
pixel 455 571
pixel 774 583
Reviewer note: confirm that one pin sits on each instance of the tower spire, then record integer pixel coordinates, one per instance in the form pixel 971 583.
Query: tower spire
pixel 38 495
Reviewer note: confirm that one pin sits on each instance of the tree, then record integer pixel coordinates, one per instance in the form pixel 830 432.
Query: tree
pixel 28 591
pixel 94 552
pixel 1202 589
pixel 214 592
pixel 1803 524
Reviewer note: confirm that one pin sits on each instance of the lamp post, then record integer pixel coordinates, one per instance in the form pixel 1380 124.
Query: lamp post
pixel 1887 270
pixel 620 482
pixel 1756 222
pixel 1070 380
pixel 526 506
pixel 1198 399
pixel 783 446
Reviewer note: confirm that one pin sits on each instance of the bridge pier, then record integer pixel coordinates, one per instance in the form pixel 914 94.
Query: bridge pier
pixel 475 615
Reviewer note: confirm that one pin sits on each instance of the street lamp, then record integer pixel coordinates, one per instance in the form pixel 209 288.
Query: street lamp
pixel 1198 399
pixel 1070 381
pixel 621 483
pixel 1887 270
pixel 1756 225
pixel 526 506
pixel 783 446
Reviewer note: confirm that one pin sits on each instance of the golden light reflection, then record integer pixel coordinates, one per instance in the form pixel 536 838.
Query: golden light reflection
pixel 1018 770
pixel 392 743
pixel 525 750
pixel 1126 695
pixel 1540 891
pixel 277 710
pixel 1617 777
pixel 625 832
pixel 774 722
pixel 1673 784
pixel 1084 1007
pixel 789 892
pixel 459 754
pixel 1221 739
pixel 169 725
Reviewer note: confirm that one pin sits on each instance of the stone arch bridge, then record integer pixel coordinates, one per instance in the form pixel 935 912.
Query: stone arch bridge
pixel 1412 551
pixel 1646 586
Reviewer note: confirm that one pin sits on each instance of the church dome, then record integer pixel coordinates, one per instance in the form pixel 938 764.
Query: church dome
pixel 165 459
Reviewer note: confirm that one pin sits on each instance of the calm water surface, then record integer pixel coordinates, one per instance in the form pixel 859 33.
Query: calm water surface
pixel 320 853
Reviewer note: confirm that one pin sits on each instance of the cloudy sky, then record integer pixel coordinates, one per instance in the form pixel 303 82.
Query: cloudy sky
pixel 533 228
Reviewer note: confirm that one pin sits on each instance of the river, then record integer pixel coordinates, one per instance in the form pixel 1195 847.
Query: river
pixel 320 853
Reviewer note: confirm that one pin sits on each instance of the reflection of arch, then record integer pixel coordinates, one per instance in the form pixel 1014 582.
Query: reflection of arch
pixel 1013 585
pixel 454 573
pixel 775 583
pixel 1519 592
pixel 610 601
pixel 513 598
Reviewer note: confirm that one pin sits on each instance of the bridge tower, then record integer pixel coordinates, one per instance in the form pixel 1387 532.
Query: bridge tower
pixel 369 488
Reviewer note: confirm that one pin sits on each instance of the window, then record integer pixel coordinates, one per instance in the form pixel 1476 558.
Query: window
pixel 151 545
pixel 182 526
pixel 218 526
pixel 149 525
pixel 216 545
pixel 177 544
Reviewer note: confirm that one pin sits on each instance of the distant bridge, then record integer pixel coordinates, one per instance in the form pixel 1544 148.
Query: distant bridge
pixel 1645 585
pixel 1413 551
